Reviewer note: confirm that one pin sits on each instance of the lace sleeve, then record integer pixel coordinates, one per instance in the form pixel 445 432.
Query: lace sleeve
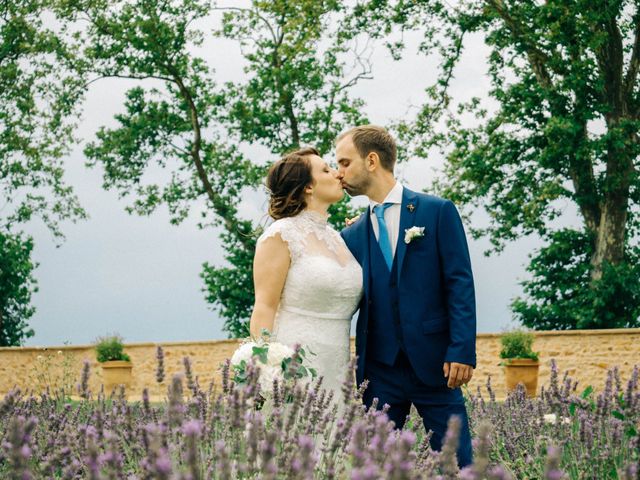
pixel 287 231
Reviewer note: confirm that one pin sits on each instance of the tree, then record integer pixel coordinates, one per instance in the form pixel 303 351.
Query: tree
pixel 39 100
pixel 170 126
pixel 559 297
pixel 296 93
pixel 16 286
pixel 178 124
pixel 564 75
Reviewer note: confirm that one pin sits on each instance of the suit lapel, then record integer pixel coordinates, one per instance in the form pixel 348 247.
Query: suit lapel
pixel 407 220
pixel 362 238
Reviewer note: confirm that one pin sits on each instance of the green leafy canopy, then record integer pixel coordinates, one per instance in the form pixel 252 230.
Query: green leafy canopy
pixel 562 128
pixel 295 91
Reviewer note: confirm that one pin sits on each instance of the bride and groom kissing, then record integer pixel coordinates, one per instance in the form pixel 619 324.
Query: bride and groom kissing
pixel 404 264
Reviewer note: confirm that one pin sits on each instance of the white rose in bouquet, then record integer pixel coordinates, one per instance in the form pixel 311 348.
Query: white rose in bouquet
pixel 267 375
pixel 277 353
pixel 243 352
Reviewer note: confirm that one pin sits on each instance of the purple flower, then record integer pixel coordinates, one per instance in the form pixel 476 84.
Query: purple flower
pixel 159 364
pixel 83 388
pixel 552 468
pixel 176 408
pixel 192 428
pixel 448 459
pixel 163 465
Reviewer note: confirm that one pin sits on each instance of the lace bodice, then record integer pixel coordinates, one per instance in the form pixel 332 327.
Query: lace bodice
pixel 324 279
pixel 320 295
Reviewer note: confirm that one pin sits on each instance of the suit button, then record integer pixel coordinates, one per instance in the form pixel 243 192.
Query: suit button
pixel 369 302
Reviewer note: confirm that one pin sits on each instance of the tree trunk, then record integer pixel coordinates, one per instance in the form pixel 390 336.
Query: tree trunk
pixel 293 120
pixel 610 239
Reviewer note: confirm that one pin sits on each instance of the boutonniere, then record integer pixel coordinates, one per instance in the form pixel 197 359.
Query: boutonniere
pixel 410 234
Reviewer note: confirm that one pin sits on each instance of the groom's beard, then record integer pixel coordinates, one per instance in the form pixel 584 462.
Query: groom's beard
pixel 358 186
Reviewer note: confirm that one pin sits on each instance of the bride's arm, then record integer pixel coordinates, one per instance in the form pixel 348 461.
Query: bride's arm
pixel 270 267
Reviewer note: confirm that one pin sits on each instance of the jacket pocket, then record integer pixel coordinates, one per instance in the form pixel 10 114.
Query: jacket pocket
pixel 435 325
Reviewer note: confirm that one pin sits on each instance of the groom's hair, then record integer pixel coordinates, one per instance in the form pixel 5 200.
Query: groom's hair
pixel 286 181
pixel 371 138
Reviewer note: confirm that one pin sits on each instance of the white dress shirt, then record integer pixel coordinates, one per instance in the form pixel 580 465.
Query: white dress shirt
pixel 391 215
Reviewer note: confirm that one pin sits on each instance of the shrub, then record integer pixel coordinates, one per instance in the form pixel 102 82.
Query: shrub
pixel 110 348
pixel 517 344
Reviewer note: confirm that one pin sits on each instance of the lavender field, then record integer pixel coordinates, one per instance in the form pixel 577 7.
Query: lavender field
pixel 222 432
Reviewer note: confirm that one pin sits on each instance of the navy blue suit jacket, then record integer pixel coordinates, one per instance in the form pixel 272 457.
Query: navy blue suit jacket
pixel 435 285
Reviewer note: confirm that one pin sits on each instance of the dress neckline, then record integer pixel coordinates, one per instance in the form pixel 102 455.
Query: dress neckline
pixel 315 217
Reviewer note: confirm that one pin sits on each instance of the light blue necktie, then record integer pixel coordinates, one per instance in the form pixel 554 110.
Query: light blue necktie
pixel 383 233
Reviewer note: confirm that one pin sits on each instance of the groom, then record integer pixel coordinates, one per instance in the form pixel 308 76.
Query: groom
pixel 416 331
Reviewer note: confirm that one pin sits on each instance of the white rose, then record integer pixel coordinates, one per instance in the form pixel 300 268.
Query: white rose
pixel 243 352
pixel 277 353
pixel 267 375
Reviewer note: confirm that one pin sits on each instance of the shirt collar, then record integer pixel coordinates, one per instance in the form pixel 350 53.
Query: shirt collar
pixel 394 196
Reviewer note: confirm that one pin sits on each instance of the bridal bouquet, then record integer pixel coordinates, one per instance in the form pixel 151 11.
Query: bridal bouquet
pixel 275 360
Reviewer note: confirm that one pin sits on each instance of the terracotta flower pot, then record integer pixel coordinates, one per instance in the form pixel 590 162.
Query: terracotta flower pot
pixel 522 370
pixel 116 373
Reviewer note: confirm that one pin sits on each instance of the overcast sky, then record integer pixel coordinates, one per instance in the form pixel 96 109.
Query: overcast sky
pixel 139 276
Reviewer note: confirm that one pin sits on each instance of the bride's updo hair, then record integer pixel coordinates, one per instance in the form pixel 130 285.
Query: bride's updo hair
pixel 286 181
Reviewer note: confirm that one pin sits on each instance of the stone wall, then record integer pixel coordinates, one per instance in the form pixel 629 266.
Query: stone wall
pixel 33 367
pixel 586 354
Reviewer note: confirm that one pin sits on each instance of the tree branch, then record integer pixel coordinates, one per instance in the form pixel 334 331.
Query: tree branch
pixel 537 57
pixel 610 60
pixel 255 14
pixel 634 66
pixel 130 77
pixel 365 68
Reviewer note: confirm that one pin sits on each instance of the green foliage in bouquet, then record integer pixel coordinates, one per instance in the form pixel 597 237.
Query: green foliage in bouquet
pixel 110 348
pixel 240 370
pixel 293 366
pixel 517 344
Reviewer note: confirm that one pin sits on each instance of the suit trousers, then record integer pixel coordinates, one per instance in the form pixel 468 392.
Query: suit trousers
pixel 399 387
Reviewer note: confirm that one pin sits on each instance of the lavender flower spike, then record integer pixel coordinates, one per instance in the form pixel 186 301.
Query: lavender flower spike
pixel 552 468
pixel 160 364
pixel 84 380
pixel 448 459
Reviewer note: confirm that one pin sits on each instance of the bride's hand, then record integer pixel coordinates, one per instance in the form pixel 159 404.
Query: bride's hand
pixel 263 337
pixel 350 221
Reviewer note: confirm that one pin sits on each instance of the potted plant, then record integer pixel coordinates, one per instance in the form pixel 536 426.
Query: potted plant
pixel 520 361
pixel 116 365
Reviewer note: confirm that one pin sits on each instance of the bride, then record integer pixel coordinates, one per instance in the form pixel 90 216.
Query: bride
pixel 307 283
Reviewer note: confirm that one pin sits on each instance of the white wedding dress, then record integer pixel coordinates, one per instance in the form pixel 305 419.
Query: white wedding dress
pixel 320 295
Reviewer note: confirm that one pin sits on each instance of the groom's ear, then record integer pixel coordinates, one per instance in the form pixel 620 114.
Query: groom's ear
pixel 372 161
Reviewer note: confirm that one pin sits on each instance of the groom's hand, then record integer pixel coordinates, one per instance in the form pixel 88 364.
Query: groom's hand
pixel 457 373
